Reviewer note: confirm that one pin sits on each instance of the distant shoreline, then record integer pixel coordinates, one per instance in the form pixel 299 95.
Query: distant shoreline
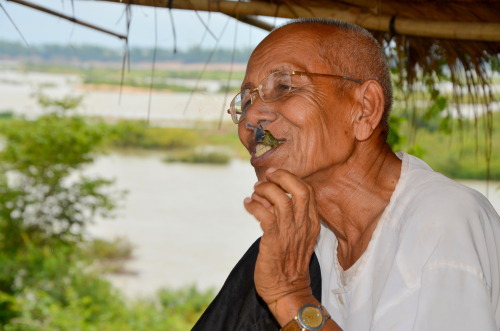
pixel 79 56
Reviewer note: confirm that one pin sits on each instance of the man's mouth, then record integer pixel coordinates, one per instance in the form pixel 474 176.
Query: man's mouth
pixel 261 149
pixel 265 141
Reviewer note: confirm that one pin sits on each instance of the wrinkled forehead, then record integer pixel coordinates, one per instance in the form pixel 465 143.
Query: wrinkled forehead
pixel 293 47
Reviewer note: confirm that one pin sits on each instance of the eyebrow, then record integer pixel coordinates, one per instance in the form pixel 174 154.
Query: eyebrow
pixel 246 86
pixel 286 68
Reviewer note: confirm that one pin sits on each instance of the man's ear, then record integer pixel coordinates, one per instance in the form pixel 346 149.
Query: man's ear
pixel 368 110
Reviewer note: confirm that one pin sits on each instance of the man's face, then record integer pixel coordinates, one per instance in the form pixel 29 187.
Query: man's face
pixel 313 121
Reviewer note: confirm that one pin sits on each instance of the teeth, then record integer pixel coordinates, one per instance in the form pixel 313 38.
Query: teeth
pixel 261 149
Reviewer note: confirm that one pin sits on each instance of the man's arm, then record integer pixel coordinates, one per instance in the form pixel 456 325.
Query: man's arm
pixel 285 206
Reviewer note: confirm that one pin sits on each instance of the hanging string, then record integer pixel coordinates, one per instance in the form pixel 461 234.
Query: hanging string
pixel 228 85
pixel 153 68
pixel 126 54
pixel 205 65
pixel 174 34
pixel 14 24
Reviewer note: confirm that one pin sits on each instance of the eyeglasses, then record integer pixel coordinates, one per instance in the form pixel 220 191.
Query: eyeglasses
pixel 273 87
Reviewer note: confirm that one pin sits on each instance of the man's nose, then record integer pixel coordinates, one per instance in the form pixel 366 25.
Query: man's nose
pixel 260 111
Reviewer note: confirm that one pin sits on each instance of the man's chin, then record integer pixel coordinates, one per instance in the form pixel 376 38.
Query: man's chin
pixel 260 172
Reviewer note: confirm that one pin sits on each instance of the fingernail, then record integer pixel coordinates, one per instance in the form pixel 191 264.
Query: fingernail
pixel 247 200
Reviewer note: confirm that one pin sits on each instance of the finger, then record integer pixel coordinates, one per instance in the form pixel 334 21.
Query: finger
pixel 301 195
pixel 306 217
pixel 263 201
pixel 290 183
pixel 266 219
pixel 282 206
pixel 313 212
pixel 311 227
pixel 272 193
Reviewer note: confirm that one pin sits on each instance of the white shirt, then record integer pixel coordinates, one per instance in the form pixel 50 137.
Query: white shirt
pixel 433 262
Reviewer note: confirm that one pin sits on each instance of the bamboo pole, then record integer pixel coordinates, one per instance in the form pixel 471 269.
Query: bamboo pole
pixel 480 31
pixel 69 18
pixel 252 20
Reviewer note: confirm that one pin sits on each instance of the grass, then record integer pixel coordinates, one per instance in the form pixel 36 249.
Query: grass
pixel 141 78
pixel 160 81
pixel 110 255
pixel 199 157
pixel 462 153
pixel 203 143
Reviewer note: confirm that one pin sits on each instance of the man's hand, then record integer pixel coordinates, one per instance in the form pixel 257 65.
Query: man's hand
pixel 285 206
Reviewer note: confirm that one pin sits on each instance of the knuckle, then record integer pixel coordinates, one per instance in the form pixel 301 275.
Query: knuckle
pixel 259 186
pixel 302 193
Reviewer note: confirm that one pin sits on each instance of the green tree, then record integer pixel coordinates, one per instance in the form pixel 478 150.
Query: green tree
pixel 45 200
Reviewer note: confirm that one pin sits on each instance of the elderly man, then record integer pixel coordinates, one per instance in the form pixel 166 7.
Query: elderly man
pixel 355 237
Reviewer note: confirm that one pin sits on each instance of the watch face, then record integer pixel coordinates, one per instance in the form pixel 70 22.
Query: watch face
pixel 311 317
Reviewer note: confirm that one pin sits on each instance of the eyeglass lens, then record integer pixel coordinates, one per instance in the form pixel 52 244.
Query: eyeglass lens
pixel 273 87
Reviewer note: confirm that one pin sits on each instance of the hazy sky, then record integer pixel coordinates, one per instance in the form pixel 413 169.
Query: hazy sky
pixel 38 27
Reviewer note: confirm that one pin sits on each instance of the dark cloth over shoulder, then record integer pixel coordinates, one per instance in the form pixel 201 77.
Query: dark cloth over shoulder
pixel 237 307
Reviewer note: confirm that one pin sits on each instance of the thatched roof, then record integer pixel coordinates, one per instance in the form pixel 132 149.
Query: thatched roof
pixel 459 27
pixel 463 32
pixel 462 19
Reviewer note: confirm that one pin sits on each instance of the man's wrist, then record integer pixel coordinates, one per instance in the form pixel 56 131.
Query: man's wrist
pixel 309 317
pixel 285 308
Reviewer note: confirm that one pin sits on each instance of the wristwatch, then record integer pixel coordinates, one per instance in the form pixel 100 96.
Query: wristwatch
pixel 310 317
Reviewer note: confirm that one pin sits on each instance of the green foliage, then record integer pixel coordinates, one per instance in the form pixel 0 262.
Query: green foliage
pixel 116 249
pixel 395 139
pixel 495 63
pixel 188 302
pixel 137 134
pixel 162 80
pixel 43 210
pixel 205 157
pixel 181 143
pixel 85 302
pixel 463 153
pixel 37 161
pixel 110 255
pixel 63 104
pixel 5 115
pixel 48 273
pixel 50 279
pixel 139 83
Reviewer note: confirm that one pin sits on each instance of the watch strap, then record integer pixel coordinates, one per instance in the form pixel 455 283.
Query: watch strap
pixel 293 325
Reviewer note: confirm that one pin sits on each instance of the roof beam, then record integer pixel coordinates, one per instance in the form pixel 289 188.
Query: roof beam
pixel 69 18
pixel 252 20
pixel 479 31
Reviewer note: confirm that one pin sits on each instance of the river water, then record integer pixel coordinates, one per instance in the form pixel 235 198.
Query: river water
pixel 19 90
pixel 187 222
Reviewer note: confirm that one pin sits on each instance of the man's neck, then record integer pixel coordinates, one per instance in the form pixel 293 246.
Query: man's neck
pixel 352 197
